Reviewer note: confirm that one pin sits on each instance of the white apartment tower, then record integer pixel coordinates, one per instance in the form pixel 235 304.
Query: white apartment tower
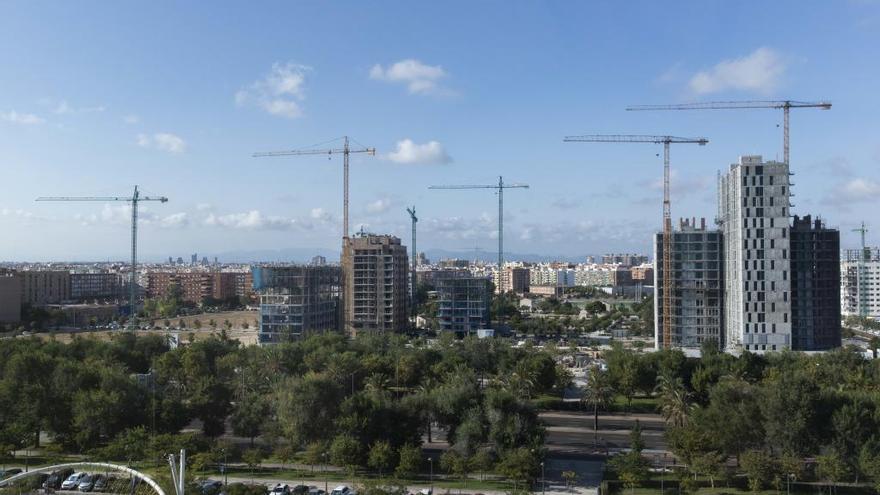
pixel 754 209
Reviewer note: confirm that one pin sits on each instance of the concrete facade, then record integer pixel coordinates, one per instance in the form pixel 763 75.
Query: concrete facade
pixel 42 287
pixel 754 211
pixel 860 282
pixel 375 280
pixel 697 281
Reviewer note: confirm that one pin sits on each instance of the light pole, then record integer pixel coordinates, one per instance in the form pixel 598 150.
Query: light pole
pixel 543 480
pixel 431 464
pixel 324 456
pixel 662 471
pixel 225 468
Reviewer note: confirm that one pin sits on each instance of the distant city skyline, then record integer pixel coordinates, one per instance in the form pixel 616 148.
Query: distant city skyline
pixel 175 98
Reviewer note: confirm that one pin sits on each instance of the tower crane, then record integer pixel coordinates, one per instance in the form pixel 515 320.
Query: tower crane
pixel 346 150
pixel 785 105
pixel 414 261
pixel 667 208
pixel 500 187
pixel 862 275
pixel 134 199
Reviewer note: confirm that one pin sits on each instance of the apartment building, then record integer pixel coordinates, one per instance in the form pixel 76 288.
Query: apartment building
pixel 42 287
pixel 815 285
pixel 754 211
pixel 860 282
pixel 10 297
pixel 464 301
pixel 297 300
pixel 376 277
pixel 96 285
pixel 696 287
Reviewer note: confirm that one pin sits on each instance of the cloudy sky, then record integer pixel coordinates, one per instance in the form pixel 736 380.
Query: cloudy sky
pixel 175 97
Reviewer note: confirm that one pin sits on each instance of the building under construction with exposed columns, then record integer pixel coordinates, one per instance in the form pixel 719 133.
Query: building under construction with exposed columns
pixel 375 274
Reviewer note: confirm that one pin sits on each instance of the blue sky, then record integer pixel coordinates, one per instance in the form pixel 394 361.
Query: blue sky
pixel 176 96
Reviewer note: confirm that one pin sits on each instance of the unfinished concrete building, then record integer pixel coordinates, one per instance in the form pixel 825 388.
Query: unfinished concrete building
pixel 375 273
pixel 696 285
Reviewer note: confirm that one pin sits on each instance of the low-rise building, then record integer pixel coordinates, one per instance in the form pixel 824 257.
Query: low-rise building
pixel 464 301
pixel 297 300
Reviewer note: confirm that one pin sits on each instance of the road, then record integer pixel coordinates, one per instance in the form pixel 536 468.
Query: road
pixel 571 435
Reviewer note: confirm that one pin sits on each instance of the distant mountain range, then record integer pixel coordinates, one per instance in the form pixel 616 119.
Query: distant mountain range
pixel 302 255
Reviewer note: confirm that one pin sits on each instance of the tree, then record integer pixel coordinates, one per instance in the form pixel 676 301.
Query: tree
pixel 409 460
pixel 673 399
pixel 631 466
pixel 346 451
pixel 597 395
pixel 570 478
pixel 758 468
pixel 482 461
pixel 381 457
pixel 709 464
pixel 519 465
pixel 831 468
pixel 307 407
pixel 253 458
pixel 249 415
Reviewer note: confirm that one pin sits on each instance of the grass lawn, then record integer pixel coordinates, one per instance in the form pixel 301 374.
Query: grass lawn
pixel 640 404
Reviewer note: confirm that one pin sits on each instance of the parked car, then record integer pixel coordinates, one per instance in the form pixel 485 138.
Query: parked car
pixel 313 490
pixel 72 481
pixel 210 487
pixel 55 479
pixel 88 483
pixel 299 490
pixel 341 490
pixel 103 483
pixel 8 473
pixel 280 489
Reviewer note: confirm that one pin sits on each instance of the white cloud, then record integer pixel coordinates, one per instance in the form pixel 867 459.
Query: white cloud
pixel 163 141
pixel 381 205
pixel 250 220
pixel 321 214
pixel 760 71
pixel 131 119
pixel 856 190
pixel 175 220
pixel 418 77
pixel 279 92
pixel 410 153
pixel 64 108
pixel 21 118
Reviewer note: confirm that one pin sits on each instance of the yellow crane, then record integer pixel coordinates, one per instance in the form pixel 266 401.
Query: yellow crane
pixel 345 151
pixel 668 285
pixel 785 105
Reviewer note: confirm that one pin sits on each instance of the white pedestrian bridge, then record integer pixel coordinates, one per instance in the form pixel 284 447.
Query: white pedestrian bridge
pixel 103 468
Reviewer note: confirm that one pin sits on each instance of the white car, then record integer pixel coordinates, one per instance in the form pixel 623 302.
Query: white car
pixel 73 481
pixel 341 490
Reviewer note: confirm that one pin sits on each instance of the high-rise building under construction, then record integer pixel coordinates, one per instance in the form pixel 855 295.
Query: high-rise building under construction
pixel 375 273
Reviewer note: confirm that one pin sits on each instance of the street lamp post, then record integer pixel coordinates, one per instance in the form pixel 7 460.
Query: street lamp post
pixel 543 480
pixel 324 456
pixel 225 468
pixel 431 464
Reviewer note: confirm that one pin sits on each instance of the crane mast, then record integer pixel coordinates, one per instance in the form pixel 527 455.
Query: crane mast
pixel 785 105
pixel 134 199
pixel 499 188
pixel 668 284
pixel 345 151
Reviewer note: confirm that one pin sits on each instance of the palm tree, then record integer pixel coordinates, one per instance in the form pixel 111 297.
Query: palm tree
pixel 597 394
pixel 674 399
pixel 521 380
